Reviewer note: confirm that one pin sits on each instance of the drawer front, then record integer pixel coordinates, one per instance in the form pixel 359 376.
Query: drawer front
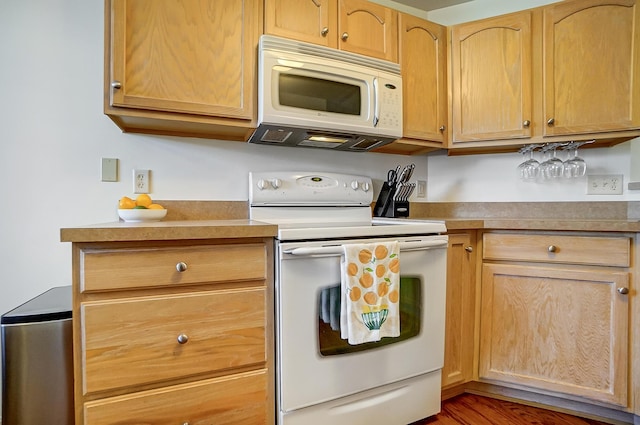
pixel 235 400
pixel 594 250
pixel 135 341
pixel 105 269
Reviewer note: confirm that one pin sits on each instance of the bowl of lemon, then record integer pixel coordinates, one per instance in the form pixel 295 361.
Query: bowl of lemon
pixel 141 209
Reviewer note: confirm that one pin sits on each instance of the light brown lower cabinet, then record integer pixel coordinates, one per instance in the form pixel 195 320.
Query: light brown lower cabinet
pixel 460 311
pixel 555 314
pixel 174 332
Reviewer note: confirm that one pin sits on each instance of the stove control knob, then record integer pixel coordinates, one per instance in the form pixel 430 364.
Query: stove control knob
pixel 355 185
pixel 262 184
pixel 276 183
pixel 366 186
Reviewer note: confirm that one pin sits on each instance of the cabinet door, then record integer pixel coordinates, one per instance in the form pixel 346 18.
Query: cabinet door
pixel 491 68
pixel 312 21
pixel 460 313
pixel 423 64
pixel 556 329
pixel 368 29
pixel 192 56
pixel 591 67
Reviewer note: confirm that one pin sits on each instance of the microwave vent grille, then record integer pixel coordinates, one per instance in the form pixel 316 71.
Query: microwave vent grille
pixel 269 42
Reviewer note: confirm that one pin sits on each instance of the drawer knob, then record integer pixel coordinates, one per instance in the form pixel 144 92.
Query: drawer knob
pixel 623 290
pixel 181 266
pixel 345 36
pixel 468 248
pixel 183 339
pixel 324 31
pixel 552 248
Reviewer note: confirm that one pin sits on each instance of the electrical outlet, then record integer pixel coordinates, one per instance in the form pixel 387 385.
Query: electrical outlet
pixel 141 181
pixel 604 184
pixel 422 189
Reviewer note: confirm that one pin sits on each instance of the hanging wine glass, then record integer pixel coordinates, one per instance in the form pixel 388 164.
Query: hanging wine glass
pixel 575 166
pixel 529 168
pixel 553 166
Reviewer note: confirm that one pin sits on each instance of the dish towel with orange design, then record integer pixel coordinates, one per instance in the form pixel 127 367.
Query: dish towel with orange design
pixel 370 292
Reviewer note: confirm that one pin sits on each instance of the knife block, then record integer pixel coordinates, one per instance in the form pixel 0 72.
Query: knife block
pixel 386 206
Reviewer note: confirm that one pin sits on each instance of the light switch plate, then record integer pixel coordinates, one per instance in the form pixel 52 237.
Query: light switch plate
pixel 109 169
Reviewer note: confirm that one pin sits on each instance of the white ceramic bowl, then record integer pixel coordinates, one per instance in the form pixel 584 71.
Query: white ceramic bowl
pixel 138 215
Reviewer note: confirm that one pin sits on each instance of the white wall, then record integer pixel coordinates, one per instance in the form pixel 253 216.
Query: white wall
pixel 53 134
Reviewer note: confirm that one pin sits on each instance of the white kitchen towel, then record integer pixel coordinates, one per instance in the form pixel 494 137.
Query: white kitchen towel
pixel 370 292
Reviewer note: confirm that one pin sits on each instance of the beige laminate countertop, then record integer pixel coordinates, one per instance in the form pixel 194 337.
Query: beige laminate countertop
pixel 229 219
pixel 597 225
pixel 168 230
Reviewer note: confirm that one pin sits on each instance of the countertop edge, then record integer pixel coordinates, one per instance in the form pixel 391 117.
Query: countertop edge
pixel 168 230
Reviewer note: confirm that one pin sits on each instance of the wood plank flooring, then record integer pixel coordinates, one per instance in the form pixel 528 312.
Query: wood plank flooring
pixel 471 409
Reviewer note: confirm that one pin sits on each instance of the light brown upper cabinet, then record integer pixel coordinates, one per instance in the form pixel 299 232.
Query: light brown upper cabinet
pixel 591 78
pixel 182 68
pixel 423 61
pixel 491 79
pixel 356 26
pixel 566 71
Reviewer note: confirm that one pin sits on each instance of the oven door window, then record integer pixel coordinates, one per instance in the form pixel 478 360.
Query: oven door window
pixel 318 94
pixel 329 341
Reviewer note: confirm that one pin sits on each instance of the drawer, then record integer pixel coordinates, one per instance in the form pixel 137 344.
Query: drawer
pixel 593 250
pixel 134 341
pixel 105 269
pixel 238 399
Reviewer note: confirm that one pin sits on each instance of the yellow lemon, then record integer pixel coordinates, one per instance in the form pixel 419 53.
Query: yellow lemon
pixel 126 203
pixel 143 200
pixel 155 207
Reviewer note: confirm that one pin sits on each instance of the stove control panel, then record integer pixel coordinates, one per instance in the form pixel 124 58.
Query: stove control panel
pixel 309 188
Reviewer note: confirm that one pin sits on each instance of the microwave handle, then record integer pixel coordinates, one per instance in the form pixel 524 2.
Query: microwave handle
pixel 338 250
pixel 376 104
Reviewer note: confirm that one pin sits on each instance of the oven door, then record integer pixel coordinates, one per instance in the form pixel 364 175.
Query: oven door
pixel 315 364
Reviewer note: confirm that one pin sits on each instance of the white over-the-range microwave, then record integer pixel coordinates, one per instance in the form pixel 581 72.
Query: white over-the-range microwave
pixel 313 96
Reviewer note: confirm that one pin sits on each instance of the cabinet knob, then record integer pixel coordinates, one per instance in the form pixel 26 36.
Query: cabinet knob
pixel 183 339
pixel 550 122
pixel 116 85
pixel 623 290
pixel 468 248
pixel 526 123
pixel 345 36
pixel 552 248
pixel 442 128
pixel 324 31
pixel 181 266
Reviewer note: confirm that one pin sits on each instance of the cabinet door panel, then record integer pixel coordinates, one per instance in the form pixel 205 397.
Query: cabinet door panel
pixel 191 56
pixel 303 20
pixel 372 29
pixel 423 64
pixel 556 329
pixel 234 400
pixel 134 341
pixel 460 316
pixel 589 78
pixel 492 94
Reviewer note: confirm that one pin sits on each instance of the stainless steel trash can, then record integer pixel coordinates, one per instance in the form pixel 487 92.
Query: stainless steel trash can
pixel 37 361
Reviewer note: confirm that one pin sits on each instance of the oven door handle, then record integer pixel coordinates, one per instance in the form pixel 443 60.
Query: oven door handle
pixel 338 250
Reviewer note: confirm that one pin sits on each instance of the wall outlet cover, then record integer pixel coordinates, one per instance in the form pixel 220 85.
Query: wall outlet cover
pixel 605 184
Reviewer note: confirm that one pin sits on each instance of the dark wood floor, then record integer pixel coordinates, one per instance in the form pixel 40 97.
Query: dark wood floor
pixel 470 409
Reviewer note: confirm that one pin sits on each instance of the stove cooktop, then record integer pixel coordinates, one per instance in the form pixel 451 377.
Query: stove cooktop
pixel 322 205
